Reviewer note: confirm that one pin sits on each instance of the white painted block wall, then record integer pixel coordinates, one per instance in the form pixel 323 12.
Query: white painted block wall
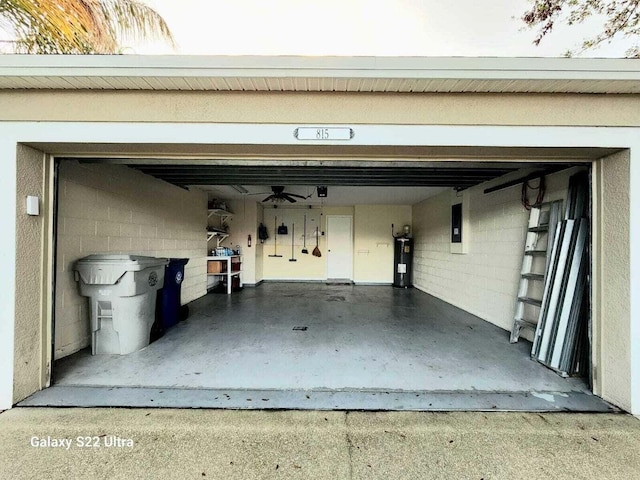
pixel 483 281
pixel 115 209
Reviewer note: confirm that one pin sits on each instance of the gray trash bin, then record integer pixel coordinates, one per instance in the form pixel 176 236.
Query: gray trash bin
pixel 122 296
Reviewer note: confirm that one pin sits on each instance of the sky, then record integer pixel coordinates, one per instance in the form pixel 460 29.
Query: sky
pixel 361 28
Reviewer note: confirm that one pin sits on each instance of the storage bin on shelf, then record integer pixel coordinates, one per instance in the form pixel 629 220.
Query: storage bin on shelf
pixel 225 270
pixel 215 266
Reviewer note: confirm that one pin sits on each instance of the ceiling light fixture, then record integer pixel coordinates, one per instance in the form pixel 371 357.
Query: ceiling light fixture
pixel 240 189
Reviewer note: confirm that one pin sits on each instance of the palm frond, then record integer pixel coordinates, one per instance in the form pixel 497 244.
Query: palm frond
pixel 132 19
pixel 80 26
pixel 39 25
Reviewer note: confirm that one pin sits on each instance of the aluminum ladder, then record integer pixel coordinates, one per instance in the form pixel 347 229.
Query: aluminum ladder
pixel 541 230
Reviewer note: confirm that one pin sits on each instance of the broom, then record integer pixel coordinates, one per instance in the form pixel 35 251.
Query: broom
pixel 316 251
pixel 304 236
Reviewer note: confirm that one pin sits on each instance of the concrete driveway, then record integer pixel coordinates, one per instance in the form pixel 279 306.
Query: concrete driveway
pixel 43 443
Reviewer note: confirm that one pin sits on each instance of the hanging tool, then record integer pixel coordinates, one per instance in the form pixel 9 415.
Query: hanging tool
pixel 304 236
pixel 275 238
pixel 293 239
pixel 316 251
pixel 282 229
pixel 262 233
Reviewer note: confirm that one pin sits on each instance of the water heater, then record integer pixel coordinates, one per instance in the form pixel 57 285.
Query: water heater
pixel 402 260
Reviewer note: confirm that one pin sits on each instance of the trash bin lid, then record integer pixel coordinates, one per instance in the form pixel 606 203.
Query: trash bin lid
pixel 129 263
pixel 177 262
pixel 108 269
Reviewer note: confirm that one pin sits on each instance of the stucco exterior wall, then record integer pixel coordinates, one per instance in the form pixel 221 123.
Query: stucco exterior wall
pixel 115 209
pixel 30 338
pixel 612 353
pixel 334 107
pixel 483 281
pixel 304 108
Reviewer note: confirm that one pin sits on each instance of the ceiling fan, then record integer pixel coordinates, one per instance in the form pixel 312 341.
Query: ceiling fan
pixel 279 195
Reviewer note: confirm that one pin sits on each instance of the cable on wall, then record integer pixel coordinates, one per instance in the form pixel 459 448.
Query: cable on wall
pixel 541 188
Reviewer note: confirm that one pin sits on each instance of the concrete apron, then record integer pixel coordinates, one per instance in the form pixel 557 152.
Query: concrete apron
pixel 317 399
pixel 162 443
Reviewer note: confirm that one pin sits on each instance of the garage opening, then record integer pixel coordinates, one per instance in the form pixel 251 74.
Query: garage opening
pixel 295 294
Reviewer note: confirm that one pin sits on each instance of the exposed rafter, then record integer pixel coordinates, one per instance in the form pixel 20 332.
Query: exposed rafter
pixel 444 175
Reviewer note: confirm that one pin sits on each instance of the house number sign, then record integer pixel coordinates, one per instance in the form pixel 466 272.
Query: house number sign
pixel 323 133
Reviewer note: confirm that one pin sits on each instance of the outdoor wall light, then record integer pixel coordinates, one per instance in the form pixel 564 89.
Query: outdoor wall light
pixel 33 205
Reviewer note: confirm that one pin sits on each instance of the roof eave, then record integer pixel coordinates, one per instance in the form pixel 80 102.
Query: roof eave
pixel 34 70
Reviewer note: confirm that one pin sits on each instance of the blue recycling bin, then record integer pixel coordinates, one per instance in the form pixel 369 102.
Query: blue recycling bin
pixel 169 311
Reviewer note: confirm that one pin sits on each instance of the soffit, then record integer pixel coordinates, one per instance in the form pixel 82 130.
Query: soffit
pixel 320 74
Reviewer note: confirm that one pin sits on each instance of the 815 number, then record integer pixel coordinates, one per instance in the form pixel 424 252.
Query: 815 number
pixel 322 133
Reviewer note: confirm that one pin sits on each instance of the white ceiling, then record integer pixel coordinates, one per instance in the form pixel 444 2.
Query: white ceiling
pixel 337 195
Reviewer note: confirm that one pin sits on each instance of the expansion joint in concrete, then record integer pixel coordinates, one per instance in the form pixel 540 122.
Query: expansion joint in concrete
pixel 349 444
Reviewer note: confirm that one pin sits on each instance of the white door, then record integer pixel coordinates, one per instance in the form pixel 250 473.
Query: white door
pixel 339 247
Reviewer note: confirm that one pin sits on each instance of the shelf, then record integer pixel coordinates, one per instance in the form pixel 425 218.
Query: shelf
pixel 220 236
pixel 229 267
pixel 224 274
pixel 218 212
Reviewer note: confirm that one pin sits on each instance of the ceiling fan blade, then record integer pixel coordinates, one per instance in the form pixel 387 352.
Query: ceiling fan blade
pixel 296 195
pixel 270 197
pixel 286 196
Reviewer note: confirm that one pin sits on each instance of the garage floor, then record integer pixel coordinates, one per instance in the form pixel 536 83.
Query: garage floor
pixel 369 338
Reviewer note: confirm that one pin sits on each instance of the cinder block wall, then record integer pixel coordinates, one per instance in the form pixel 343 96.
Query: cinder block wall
pixel 483 281
pixel 115 209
